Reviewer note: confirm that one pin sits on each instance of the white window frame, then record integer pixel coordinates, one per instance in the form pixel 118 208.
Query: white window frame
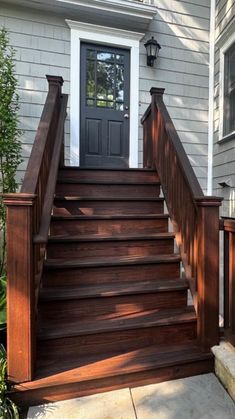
pixel 224 48
pixel 103 35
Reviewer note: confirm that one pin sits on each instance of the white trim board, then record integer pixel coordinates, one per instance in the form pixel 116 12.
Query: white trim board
pixel 225 43
pixel 81 31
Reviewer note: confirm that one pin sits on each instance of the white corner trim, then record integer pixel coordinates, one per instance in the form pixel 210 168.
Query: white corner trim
pixel 228 41
pixel 107 36
pixel 211 100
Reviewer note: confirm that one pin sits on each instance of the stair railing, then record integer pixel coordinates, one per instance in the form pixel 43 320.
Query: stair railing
pixel 195 217
pixel 28 221
pixel 227 225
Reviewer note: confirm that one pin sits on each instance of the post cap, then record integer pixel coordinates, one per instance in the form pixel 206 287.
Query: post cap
pixel 55 79
pixel 157 91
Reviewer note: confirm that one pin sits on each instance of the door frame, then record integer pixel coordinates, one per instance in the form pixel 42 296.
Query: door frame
pixel 86 32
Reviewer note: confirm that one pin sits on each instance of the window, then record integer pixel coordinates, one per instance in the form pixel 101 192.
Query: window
pixel 229 91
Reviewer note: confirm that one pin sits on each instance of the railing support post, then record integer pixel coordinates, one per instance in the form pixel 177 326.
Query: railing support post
pixel 208 271
pixel 20 287
pixel 155 122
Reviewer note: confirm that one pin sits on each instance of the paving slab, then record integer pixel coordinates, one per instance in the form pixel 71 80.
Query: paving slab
pixel 199 397
pixel 111 405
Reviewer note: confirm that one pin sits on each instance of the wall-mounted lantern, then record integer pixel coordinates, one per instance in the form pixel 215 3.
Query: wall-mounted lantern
pixel 152 48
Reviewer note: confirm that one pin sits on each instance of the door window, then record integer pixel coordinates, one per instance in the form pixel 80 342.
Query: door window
pixel 105 79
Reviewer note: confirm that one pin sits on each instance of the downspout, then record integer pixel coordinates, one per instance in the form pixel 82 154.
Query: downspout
pixel 211 98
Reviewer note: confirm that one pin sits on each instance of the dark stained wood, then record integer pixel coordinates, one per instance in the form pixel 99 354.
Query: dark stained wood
pixel 21 332
pixel 125 273
pixel 137 320
pixel 228 225
pixel 111 261
pixel 122 175
pixel 145 366
pixel 104 246
pixel 110 342
pixel 107 206
pixel 28 216
pixel 108 224
pixel 191 214
pixel 208 268
pixel 112 289
pixel 99 189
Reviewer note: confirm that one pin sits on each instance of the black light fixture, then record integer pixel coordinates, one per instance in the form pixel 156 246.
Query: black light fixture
pixel 152 48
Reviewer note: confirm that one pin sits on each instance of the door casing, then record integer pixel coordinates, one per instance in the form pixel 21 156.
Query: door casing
pixel 84 32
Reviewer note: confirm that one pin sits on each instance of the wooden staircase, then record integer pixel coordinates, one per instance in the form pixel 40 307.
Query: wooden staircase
pixel 98 296
pixel 113 308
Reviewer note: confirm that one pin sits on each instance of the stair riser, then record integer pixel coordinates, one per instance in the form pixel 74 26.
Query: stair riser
pixel 109 175
pixel 118 341
pixel 102 275
pixel 107 207
pixel 69 391
pixel 110 248
pixel 109 307
pixel 109 227
pixel 103 191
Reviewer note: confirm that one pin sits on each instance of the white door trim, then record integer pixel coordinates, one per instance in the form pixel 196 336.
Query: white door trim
pixel 81 31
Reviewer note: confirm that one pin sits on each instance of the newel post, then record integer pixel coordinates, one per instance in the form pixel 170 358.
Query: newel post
pixel 157 95
pixel 20 287
pixel 208 271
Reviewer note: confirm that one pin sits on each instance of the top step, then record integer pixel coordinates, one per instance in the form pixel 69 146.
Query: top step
pixel 109 175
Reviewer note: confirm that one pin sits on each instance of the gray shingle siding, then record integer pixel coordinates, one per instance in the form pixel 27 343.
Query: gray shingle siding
pixel 42 41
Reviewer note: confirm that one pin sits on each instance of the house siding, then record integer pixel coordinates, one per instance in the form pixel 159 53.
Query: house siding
pixel 224 153
pixel 42 42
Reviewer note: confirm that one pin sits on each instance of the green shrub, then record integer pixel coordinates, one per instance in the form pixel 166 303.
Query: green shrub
pixel 8 409
pixel 10 145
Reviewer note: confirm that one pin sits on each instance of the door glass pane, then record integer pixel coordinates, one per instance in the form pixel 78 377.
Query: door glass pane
pixel 105 79
pixel 120 82
pixel 105 56
pixel 90 87
pixel 120 58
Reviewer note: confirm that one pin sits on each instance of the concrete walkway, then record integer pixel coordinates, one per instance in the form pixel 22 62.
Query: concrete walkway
pixel 200 397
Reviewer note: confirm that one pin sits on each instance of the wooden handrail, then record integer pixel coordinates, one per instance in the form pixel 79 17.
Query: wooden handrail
pixel 28 221
pixel 195 217
pixel 227 225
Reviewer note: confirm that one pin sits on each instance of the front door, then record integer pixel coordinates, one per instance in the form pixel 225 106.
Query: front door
pixel 105 95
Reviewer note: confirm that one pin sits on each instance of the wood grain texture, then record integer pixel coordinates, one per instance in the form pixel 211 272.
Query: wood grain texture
pixel 195 218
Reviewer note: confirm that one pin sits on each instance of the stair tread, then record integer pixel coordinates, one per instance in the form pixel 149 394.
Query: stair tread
pixel 108 182
pixel 107 169
pixel 58 372
pixel 110 261
pixel 110 198
pixel 112 289
pixel 110 217
pixel 115 237
pixel 138 320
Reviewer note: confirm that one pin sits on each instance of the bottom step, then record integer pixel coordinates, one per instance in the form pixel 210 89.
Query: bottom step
pixel 100 373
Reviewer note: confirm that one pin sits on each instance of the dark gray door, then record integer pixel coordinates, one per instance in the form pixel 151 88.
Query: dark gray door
pixel 105 95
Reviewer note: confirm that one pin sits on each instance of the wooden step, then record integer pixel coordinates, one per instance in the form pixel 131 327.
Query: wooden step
pixel 112 290
pixel 74 205
pixel 78 173
pixel 106 334
pixel 109 224
pixel 119 245
pixel 98 189
pixel 68 327
pixel 58 380
pixel 59 272
pixel 108 301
